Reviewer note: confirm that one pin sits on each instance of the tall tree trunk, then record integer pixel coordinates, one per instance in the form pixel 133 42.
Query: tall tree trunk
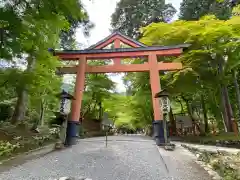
pixel 173 122
pixel 20 107
pixel 204 114
pixel 234 72
pixel 41 117
pixel 94 108
pixel 42 109
pixel 22 101
pixel 42 114
pixel 224 110
pixel 100 113
pixel 224 99
pixel 190 113
pixel 189 109
pixel 229 109
pixel 180 102
pixel 219 116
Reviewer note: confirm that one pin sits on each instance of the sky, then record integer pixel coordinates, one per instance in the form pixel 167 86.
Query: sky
pixel 100 12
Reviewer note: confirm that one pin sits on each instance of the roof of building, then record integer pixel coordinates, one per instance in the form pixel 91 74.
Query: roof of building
pixel 115 34
pixel 97 51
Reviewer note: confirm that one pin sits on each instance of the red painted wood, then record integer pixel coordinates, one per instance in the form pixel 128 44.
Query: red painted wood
pixel 79 88
pixel 155 85
pixel 121 68
pixel 112 55
pixel 111 40
pixel 117 61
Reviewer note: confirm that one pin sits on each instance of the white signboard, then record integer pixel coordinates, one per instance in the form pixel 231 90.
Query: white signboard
pixel 106 121
pixel 165 104
pixel 67 106
pixel 183 121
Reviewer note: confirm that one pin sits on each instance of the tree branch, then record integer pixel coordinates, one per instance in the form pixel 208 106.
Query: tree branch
pixel 4 83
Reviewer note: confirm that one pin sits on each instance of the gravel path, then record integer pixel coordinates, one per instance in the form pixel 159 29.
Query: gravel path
pixel 125 158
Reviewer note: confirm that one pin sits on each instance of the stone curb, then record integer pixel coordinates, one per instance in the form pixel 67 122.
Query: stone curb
pixel 216 150
pixel 192 148
pixel 208 168
pixel 22 158
pixel 26 153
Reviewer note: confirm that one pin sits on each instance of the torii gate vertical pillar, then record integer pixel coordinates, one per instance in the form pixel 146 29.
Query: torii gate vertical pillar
pixel 73 122
pixel 158 129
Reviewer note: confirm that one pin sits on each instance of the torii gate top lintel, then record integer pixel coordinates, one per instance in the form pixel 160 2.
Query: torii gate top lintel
pixel 137 49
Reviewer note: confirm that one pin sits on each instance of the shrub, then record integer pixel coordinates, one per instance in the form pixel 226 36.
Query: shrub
pixel 6 148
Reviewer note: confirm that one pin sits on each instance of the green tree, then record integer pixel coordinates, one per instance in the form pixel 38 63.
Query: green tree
pixel 43 101
pixel 67 37
pixel 194 9
pixel 31 27
pixel 131 15
pixel 98 89
pixel 210 55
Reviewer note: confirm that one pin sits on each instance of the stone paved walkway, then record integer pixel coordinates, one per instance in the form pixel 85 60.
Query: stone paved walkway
pixel 125 158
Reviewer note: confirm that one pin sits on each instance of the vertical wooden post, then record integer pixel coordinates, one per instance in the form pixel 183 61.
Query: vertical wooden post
pixel 155 86
pixel 117 61
pixel 79 88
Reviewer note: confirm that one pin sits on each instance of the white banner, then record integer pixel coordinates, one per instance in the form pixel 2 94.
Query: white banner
pixel 67 106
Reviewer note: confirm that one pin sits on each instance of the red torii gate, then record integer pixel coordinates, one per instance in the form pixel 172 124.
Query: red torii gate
pixel 96 52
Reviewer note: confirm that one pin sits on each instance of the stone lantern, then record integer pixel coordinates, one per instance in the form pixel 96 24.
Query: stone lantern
pixel 160 127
